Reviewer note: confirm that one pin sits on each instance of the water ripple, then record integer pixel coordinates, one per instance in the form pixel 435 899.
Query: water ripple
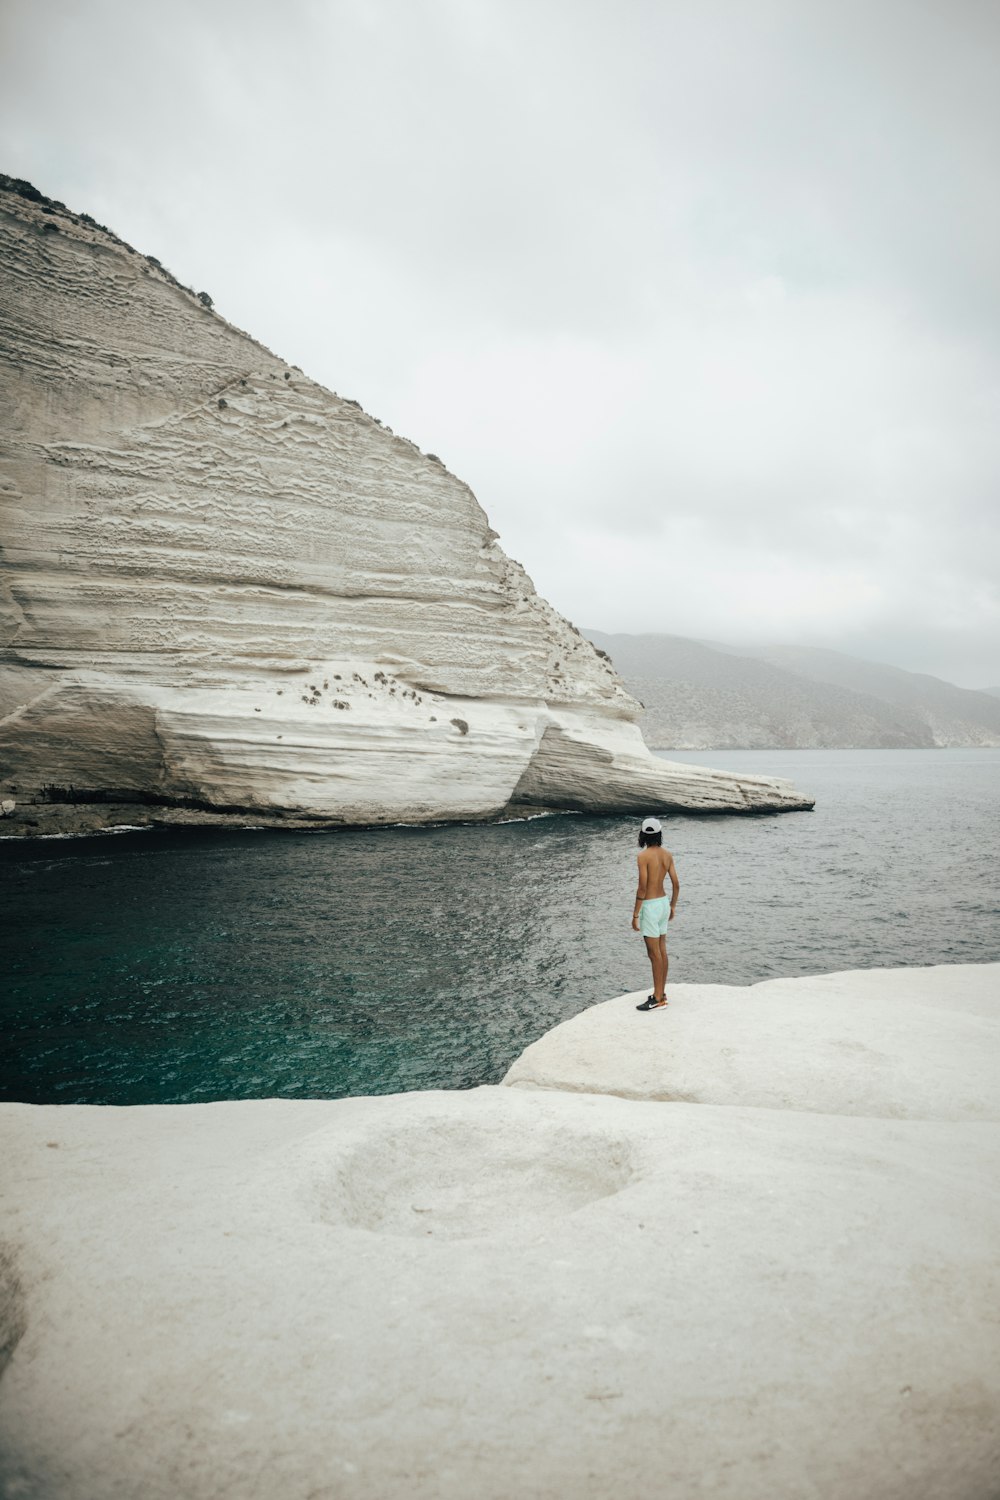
pixel 199 964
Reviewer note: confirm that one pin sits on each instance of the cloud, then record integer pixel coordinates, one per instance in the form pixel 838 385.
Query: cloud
pixel 703 292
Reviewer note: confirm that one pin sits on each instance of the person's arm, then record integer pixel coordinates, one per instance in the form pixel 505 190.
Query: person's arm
pixel 675 883
pixel 640 894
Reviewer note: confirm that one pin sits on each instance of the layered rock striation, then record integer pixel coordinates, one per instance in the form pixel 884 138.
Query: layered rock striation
pixel 226 588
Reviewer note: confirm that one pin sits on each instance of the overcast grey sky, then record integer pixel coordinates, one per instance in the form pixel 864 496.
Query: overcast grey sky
pixel 702 299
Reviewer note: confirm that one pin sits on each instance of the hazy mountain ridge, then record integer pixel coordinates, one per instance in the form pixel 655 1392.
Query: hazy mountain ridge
pixel 700 696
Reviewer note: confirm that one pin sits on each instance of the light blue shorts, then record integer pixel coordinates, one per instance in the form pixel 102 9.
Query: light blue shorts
pixel 654 917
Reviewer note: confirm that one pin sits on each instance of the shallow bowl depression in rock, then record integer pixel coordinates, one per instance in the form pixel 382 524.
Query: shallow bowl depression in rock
pixel 455 1179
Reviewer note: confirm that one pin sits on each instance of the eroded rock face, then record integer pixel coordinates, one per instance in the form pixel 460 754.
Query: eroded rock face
pixel 225 586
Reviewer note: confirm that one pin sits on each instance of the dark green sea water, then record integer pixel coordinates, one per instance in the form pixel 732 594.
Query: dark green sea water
pixel 170 967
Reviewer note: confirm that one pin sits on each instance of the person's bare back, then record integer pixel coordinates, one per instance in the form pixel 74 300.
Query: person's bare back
pixel 656 865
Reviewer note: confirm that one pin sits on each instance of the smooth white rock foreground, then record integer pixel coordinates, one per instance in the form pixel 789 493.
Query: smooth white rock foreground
pixel 499 1293
pixel 509 1291
pixel 904 1043
pixel 225 587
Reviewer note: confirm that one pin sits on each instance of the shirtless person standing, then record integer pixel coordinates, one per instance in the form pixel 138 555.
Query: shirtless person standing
pixel 652 912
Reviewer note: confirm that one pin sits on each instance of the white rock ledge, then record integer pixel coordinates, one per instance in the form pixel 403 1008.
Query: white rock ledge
pixel 532 1292
pixel 903 1043
pixel 225 588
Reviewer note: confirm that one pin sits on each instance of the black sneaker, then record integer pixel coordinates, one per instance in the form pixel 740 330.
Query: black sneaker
pixel 651 1003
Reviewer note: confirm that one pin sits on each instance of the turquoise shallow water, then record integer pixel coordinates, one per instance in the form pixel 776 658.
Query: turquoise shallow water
pixel 170 967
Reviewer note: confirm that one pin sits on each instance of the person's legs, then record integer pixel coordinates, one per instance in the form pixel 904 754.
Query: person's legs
pixel 656 964
pixel 664 960
pixel 651 918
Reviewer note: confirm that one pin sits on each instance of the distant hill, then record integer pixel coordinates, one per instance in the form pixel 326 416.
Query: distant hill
pixel 701 696
pixel 958 709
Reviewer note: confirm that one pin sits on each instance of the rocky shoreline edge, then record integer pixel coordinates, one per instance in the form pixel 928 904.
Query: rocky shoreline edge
pixel 69 820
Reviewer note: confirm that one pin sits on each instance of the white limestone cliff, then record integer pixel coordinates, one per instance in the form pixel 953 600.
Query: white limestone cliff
pixel 225 587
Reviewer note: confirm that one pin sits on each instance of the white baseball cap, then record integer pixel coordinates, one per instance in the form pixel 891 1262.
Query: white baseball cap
pixel 652 825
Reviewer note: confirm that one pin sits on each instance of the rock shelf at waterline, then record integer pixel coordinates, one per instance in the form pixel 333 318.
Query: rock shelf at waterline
pixel 227 591
pixel 540 1290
